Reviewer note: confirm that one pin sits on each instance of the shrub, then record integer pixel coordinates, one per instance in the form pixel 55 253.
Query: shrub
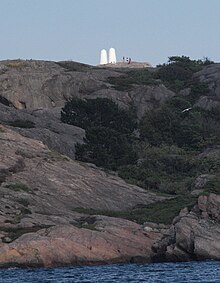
pixel 99 112
pixel 161 212
pixel 178 73
pixel 18 187
pixel 109 131
pixel 212 186
pixel 194 129
pixel 138 77
pixel 106 147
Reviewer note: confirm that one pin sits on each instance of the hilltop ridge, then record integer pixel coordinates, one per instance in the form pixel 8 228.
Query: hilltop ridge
pixel 56 210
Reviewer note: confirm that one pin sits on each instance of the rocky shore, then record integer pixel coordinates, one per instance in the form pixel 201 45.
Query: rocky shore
pixel 40 227
pixel 47 198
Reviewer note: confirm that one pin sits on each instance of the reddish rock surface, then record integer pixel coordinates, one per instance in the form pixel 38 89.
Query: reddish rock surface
pixel 113 240
pixel 39 193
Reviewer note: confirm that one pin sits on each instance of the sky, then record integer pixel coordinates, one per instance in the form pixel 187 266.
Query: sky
pixel 144 30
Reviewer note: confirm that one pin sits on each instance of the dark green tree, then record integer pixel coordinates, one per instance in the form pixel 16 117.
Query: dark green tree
pixel 99 112
pixel 109 131
pixel 106 147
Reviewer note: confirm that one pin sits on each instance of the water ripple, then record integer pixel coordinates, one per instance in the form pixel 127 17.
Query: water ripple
pixel 202 272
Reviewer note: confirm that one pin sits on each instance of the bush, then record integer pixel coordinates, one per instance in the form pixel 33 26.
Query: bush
pixel 178 73
pixel 19 187
pixel 162 170
pixel 138 77
pixel 99 112
pixel 194 129
pixel 161 212
pixel 109 130
pixel 106 147
pixel 212 186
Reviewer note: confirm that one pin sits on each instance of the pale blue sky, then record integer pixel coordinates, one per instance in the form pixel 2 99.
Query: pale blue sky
pixel 145 30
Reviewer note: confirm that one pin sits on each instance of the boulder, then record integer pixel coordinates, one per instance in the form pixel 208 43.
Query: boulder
pixel 194 235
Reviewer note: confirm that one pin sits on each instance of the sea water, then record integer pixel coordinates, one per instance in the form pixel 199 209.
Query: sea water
pixel 200 272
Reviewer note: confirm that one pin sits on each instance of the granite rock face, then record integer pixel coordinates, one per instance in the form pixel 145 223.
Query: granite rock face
pixel 40 195
pixel 210 75
pixel 43 125
pixel 35 84
pixel 41 224
pixel 194 235
pixel 146 98
pixel 111 240
pixel 56 179
pixel 45 194
pixel 32 94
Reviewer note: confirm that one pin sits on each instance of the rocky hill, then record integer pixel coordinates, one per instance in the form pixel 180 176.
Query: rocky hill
pixel 42 189
pixel 59 211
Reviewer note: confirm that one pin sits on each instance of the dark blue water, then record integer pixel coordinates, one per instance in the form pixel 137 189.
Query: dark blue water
pixel 200 272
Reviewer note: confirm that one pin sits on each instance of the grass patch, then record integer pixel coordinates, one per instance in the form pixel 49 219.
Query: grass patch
pixel 212 186
pixel 161 212
pixel 54 156
pixel 17 64
pixel 18 187
pixel 15 233
pixel 139 77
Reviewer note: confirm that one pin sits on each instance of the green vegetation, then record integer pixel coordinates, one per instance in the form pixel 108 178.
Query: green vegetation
pixel 161 212
pixel 18 187
pixel 161 152
pixel 140 77
pixel 212 186
pixel 17 64
pixel 164 171
pixel 178 73
pixel 86 226
pixel 14 233
pixel 109 131
pixel 99 112
pixel 194 129
pixel 106 148
pixel 54 156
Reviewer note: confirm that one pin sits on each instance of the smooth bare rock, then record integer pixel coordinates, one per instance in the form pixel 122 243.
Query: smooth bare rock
pixel 194 235
pixel 146 98
pixel 36 181
pixel 210 75
pixel 36 84
pixel 32 84
pixel 44 125
pixel 40 193
pixel 112 240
